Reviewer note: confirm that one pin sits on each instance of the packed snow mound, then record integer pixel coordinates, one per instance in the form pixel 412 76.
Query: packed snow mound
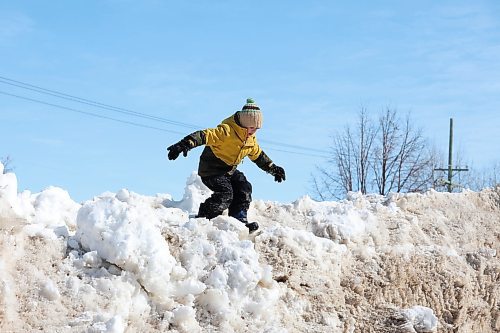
pixel 124 262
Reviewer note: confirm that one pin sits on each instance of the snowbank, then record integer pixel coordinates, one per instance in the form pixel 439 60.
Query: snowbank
pixel 123 262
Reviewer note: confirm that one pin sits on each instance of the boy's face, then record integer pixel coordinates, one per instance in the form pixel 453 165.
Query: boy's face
pixel 251 130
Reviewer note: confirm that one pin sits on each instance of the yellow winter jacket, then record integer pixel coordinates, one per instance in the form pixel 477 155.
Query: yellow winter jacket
pixel 228 142
pixel 225 147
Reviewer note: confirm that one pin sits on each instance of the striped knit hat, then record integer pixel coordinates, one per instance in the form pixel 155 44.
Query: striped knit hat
pixel 250 115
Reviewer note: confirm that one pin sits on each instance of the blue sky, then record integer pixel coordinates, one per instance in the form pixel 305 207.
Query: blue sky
pixel 310 65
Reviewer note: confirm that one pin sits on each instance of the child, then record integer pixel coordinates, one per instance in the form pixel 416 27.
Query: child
pixel 225 147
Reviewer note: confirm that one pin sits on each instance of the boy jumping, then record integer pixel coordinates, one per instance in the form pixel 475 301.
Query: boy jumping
pixel 225 147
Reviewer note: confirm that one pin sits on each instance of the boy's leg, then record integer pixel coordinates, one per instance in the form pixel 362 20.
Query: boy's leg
pixel 242 196
pixel 220 199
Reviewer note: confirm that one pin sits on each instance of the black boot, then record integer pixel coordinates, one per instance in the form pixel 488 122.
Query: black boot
pixel 242 217
pixel 252 226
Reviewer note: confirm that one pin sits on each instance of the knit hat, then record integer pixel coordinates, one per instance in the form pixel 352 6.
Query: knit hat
pixel 250 115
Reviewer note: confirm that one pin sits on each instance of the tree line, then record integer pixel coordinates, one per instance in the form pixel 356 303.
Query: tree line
pixel 386 154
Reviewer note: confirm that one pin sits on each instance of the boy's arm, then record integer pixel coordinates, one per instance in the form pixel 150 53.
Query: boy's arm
pixel 265 163
pixel 195 139
pixel 208 136
pixel 189 142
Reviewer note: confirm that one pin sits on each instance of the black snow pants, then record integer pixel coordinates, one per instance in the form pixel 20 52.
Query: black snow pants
pixel 230 191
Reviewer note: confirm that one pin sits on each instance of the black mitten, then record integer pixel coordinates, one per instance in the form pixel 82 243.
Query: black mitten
pixel 174 150
pixel 278 173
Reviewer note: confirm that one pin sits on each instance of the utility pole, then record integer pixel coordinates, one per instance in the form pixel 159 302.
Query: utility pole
pixel 450 168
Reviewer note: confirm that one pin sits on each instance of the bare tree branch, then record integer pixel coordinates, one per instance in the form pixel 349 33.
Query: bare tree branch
pixel 382 156
pixel 7 164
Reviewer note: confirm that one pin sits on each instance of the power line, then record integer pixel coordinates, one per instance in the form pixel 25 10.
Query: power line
pixel 128 122
pixel 129 112
pixel 294 146
pixel 297 153
pixel 91 103
pixel 87 113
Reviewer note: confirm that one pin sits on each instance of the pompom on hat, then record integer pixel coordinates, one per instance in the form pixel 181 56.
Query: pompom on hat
pixel 250 115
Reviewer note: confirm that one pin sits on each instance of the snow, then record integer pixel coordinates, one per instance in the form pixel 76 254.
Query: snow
pixel 128 262
pixel 8 187
pixel 421 319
